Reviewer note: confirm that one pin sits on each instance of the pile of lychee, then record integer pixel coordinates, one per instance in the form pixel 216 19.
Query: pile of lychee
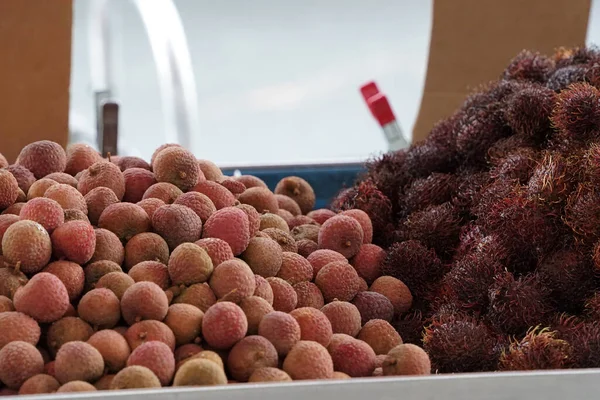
pixel 117 273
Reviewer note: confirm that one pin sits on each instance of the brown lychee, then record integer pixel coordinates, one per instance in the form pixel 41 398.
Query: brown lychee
pixel 309 295
pixel 344 317
pixel 144 300
pixel 97 201
pixel 44 298
pixel 199 372
pixel 108 247
pixel 135 377
pixel 149 330
pixel 306 247
pixel 80 157
pixel 281 329
pixel 67 329
pixel 113 347
pixel 28 245
pixel 264 256
pixel 164 191
pixel 100 308
pixel 354 357
pixel 189 264
pixel 322 257
pixel 117 282
pixel 104 174
pixel 308 360
pixel 250 354
pixel 42 158
pixel 284 295
pixel 78 361
pixel 18 326
pixel 39 384
pixel 396 291
pixel 269 220
pixel 269 374
pixel 262 199
pixel 199 295
pixel 124 220
pixel 178 166
pixel 299 190
pixel 210 170
pixel 146 246
pixel 151 271
pixel 255 309
pixel 224 324
pixel 232 280
pixel 39 187
pixel 407 359
pixel 284 239
pixel 287 203
pixel 185 320
pixel 380 335
pixel 177 224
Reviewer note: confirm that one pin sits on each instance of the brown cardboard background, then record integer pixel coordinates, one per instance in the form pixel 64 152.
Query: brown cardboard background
pixel 473 40
pixel 35 72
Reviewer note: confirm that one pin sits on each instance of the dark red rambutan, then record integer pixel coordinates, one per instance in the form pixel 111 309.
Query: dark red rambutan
pixel 517 165
pixel 576 55
pixel 470 236
pixel 436 227
pixel 550 184
pixel 515 305
pixel 507 145
pixel 491 194
pixel 470 278
pixel 539 349
pixel 458 343
pixel 367 197
pixel 576 114
pixel 414 264
pixel 529 66
pixel 389 173
pixel 436 189
pixel 410 326
pixel 568 273
pixel 528 111
pixel 429 156
pixel 591 164
pixel 584 339
pixel 592 307
pixel 564 77
pixel 581 211
pixel 469 189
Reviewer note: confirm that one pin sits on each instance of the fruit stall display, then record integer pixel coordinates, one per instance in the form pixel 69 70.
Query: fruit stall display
pixel 474 251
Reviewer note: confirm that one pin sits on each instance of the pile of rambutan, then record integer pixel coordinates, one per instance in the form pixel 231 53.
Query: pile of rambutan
pixel 493 221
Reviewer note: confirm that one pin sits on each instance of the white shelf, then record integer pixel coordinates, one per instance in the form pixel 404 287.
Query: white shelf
pixel 544 385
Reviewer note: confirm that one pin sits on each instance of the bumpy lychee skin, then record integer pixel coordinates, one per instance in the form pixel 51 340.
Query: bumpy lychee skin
pixel 108 247
pixel 113 347
pixel 19 361
pixel 178 166
pixel 354 357
pixel 231 225
pixel 161 148
pixel 185 352
pixel 125 220
pixel 75 241
pixel 308 360
pixel 263 200
pixel 210 170
pixel 67 329
pixel 147 331
pixel 15 209
pixel 232 280
pixel 18 326
pixel 78 361
pixel 6 304
pixel 396 291
pixel 373 305
pixel 299 190
pixel 27 244
pixel 100 307
pixel 177 224
pixel 406 359
pixel 287 203
pixel 264 256
pixel 80 157
pixel 151 205
pixel 224 324
pixel 44 298
pixel 344 317
pixel 199 372
pixel 104 174
pixel 269 374
pixel 295 268
pixel 39 384
pixel 342 234
pixel 251 181
pixel 3 162
pixel 199 295
pixel 219 195
pixel 284 295
pixel 286 216
pixel 146 246
pixel 24 177
pixel 200 203
pixel 367 262
pixel 189 264
pixel 314 325
pixel 42 158
pixel 67 196
pixel 71 275
pixel 322 257
pixel 217 249
pixel 217 358
pixel 338 280
pixel 117 282
pixel 284 239
pixel 97 200
pixel 76 387
pixel 39 187
pixel 263 289
pixel 135 377
pixel 61 177
pixel 365 222
pixel 10 189
pixel 321 215
pixel 6 220
pixel 151 271
pixel 281 329
pixel 96 270
pixel 75 215
pixel 250 354
pixel 306 247
pixel 157 357
pixel 167 192
pixel 46 212
pixel 144 300
pixel 137 182
pixel 255 309
pixel 185 320
pixel 253 218
pixel 380 335
pixel 269 220
pixel 309 295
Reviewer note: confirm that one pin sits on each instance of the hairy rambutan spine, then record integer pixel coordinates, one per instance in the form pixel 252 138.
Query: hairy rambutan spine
pixel 577 112
pixel 437 227
pixel 582 211
pixel 436 189
pixel 550 184
pixel 517 165
pixel 529 66
pixel 528 111
pixel 411 327
pixel 539 349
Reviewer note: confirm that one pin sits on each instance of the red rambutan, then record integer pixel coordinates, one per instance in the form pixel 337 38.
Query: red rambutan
pixel 517 165
pixel 507 145
pixel 515 305
pixel 539 349
pixel 529 66
pixel 414 264
pixel 436 227
pixel 563 77
pixel 577 112
pixel 576 55
pixel 583 206
pixel 549 184
pixel 430 156
pixel 528 111
pixel 584 339
pixel 469 188
pixel 389 173
pixel 591 164
pixel 410 326
pixel 436 189
pixel 458 343
pixel 592 307
pixel 470 236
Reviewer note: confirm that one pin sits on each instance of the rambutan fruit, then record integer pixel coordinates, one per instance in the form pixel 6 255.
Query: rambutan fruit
pixel 470 236
pixel 436 227
pixel 389 173
pixel 436 189
pixel 410 326
pixel 584 338
pixel 592 307
pixel 577 112
pixel 581 210
pixel 576 56
pixel 468 192
pixel 517 165
pixel 457 343
pixel 563 77
pixel 549 184
pixel 539 349
pixel 507 145
pixel 414 264
pixel 431 156
pixel 529 66
pixel 591 163
pixel 528 111
pixel 517 304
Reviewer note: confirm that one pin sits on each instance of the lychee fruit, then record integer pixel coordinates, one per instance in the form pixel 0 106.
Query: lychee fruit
pixel 113 347
pixel 314 325
pixel 367 262
pixel 80 157
pixel 39 188
pixel 322 257
pixel 76 387
pixel 61 177
pixel 286 215
pixel 15 209
pixel 295 268
pixel 281 329
pixel 199 372
pixel 185 352
pixel 18 326
pixel 104 174
pixel 104 382
pixel 185 320
pixel 6 220
pixel 251 181
pixel 67 196
pixel 299 190
pixel 302 220
pixel 144 300
pixel 210 170
pixel 6 304
pixel 344 317
pixel 232 280
pixel 189 264
pixel 217 249
pixel 353 357
pixel 255 309
pixel 10 189
pixel 24 177
pixel 308 360
pixel 46 212
pixel 284 295
pixel 75 215
pixel 96 270
pixel 309 295
pixel 39 384
pixel 146 246
pixel 164 191
pixel 157 357
pixel 147 331
pixel 337 280
pixel 44 298
pixel 43 158
pixel 97 201
pixel 137 182
pixel 178 166
pixel 27 244
pixel 19 361
pixel 211 356
pixel 117 282
pixel 108 247
pixel 177 224
pixel 365 222
pixel 406 359
pixel 199 203
pixel 306 231
pixel 199 295
pixel 264 256
pixel 284 239
pixel 262 199
pixel 135 377
pixel 342 234
pixel 396 291
pixel 219 195
pixel 306 247
pixel 380 335
pixel 263 289
pixel 71 275
pixel 373 305
pixel 249 354
pixel 269 374
pixel 67 329
pixel 287 203
pixel 74 241
pixel 124 220
pixel 151 271
pixel 100 307
pixel 224 324
pixel 78 361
